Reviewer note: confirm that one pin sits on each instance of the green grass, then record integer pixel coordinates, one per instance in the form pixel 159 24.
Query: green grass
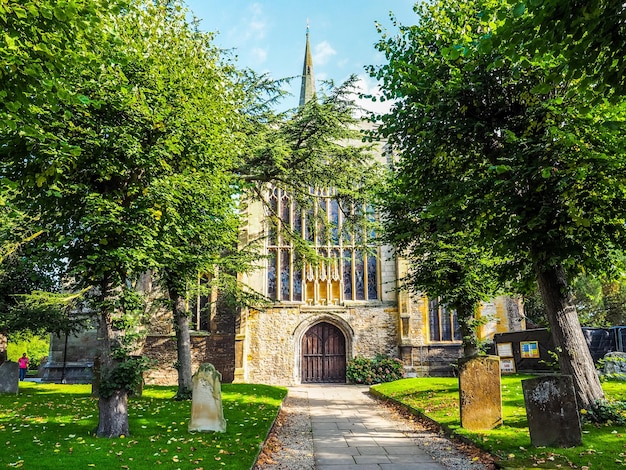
pixel 604 447
pixel 50 426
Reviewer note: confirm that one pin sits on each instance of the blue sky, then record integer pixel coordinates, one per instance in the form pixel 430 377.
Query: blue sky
pixel 269 35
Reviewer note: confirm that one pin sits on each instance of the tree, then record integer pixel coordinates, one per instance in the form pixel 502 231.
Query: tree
pixel 198 226
pixel 31 299
pixel 154 105
pixel 319 145
pixel 573 31
pixel 443 265
pixel 599 301
pixel 41 39
pixel 508 158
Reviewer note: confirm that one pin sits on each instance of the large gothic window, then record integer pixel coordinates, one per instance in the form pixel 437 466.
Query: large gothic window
pixel 346 268
pixel 443 324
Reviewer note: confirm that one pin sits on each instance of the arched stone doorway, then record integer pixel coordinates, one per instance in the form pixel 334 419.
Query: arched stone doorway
pixel 323 355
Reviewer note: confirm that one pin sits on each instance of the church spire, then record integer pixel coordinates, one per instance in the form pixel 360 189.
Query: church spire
pixel 307 90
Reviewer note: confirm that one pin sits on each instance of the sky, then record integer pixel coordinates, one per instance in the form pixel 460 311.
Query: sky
pixel 268 36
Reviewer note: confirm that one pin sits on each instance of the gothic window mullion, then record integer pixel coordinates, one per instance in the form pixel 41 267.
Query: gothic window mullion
pixel 440 320
pixel 365 274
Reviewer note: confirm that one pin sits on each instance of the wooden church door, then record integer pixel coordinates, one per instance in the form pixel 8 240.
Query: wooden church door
pixel 323 355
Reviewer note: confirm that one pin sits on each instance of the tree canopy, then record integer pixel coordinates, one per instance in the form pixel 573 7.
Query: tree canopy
pixel 151 107
pixel 572 31
pixel 488 148
pixel 127 144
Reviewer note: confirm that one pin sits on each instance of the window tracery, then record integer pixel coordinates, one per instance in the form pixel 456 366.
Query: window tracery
pixel 443 323
pixel 345 271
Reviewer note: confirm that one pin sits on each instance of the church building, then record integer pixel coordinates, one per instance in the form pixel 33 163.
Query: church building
pixel 347 305
pixel 321 316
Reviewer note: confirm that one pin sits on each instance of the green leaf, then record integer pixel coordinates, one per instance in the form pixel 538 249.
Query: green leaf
pixel 519 10
pixel 450 53
pixel 20 12
pixel 59 13
pixel 485 45
pixel 10 41
pixel 541 88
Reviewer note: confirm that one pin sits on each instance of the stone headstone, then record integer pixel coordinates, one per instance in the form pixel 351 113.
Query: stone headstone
pixel 9 377
pixel 479 392
pixel 614 364
pixel 207 413
pixel 552 412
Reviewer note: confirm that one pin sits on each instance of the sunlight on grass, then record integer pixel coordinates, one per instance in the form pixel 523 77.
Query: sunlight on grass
pixel 51 426
pixel 438 398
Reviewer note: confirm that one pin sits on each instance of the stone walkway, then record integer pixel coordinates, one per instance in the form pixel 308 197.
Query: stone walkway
pixel 351 432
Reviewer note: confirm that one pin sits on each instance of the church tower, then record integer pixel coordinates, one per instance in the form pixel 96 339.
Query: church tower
pixel 307 89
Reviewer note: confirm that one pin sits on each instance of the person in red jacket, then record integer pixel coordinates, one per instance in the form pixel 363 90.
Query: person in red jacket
pixel 23 364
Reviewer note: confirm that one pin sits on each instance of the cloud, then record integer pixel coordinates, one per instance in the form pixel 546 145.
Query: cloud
pixel 321 76
pixel 322 52
pixel 259 54
pixel 252 26
pixel 368 86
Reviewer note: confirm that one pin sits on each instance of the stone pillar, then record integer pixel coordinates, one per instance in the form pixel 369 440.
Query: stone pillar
pixel 239 366
pixel 479 392
pixel 553 419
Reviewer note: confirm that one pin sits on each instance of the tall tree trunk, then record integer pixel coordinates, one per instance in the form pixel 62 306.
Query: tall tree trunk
pixel 113 415
pixel 469 335
pixel 183 343
pixel 574 356
pixel 113 410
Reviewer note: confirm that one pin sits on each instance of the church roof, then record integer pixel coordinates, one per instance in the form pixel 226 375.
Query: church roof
pixel 307 90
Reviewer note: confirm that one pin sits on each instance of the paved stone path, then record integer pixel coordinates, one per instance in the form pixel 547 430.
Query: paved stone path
pixel 351 433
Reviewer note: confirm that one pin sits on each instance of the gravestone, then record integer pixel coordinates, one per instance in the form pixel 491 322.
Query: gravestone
pixel 207 413
pixel 552 412
pixel 479 392
pixel 9 377
pixel 614 365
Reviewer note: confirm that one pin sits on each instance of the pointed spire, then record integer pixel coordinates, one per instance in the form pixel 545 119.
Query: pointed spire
pixel 307 90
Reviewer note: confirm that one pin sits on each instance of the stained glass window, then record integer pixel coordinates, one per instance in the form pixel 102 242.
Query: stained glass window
pixel 274 211
pixel 342 272
pixel 442 322
pixel 334 220
pixel 271 275
pixel 285 274
pixel 359 276
pixel 347 274
pixel 372 285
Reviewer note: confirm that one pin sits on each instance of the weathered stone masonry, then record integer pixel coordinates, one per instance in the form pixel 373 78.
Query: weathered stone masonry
pixel 272 347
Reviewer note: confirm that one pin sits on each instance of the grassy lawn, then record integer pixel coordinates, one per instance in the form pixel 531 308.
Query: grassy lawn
pixel 604 447
pixel 50 426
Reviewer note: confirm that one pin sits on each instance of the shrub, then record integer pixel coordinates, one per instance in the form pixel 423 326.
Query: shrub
pixel 361 370
pixel 606 412
pixel 612 368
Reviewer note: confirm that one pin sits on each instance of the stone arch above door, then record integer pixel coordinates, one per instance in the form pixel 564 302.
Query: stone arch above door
pixel 320 325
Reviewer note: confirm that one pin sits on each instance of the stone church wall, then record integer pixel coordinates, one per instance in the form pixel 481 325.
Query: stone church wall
pixel 217 349
pixel 273 338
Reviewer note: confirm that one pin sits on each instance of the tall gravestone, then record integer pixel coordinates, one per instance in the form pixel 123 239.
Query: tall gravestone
pixel 207 413
pixel 552 412
pixel 9 377
pixel 480 393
